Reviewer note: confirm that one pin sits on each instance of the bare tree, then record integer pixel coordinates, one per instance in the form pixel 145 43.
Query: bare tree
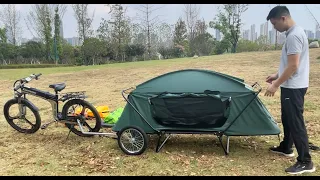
pixel 40 21
pixel 11 18
pixel 149 22
pixel 84 21
pixel 191 12
pixel 165 35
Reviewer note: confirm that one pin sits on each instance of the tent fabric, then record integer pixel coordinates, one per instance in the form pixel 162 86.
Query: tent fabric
pixel 189 110
pixel 235 109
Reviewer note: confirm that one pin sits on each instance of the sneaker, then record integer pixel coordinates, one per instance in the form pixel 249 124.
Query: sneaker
pixel 288 153
pixel 300 168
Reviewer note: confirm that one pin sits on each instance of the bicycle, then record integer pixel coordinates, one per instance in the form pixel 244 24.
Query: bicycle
pixel 74 112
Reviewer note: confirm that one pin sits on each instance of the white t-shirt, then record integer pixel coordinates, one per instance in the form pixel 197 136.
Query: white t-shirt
pixel 296 43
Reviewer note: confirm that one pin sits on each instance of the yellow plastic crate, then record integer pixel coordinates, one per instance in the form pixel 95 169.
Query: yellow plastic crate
pixel 102 110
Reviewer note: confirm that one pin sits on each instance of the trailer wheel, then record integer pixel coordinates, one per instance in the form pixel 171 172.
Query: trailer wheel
pixel 132 140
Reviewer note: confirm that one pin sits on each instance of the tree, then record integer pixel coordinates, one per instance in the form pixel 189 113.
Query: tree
pixel 32 50
pixel 228 21
pixel 48 34
pixel 11 18
pixel 57 37
pixel 200 28
pixel 67 53
pixel 165 35
pixel 120 29
pixel 39 21
pixel 92 48
pixel 180 32
pixel 222 46
pixel 148 23
pixel 204 44
pixel 8 52
pixel 103 30
pixel 84 21
pixel 191 12
pixel 134 50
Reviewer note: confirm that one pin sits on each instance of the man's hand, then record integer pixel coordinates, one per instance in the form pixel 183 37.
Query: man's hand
pixel 272 88
pixel 271 78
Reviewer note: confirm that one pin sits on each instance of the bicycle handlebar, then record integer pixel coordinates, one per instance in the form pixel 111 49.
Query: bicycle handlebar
pixel 26 80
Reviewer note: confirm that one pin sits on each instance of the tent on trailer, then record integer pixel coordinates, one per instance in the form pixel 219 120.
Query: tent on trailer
pixel 197 101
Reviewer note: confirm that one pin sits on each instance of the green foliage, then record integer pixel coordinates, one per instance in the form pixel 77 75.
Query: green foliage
pixel 318 57
pixel 228 22
pixel 204 44
pixel 57 50
pixel 222 46
pixel 92 48
pixel 103 30
pixel 21 66
pixel 3 37
pixel 312 40
pixel 172 52
pixel 67 56
pixel 135 50
pixel 180 32
pixel 249 46
pixel 186 47
pixel 7 50
pixel 32 49
pixel 47 34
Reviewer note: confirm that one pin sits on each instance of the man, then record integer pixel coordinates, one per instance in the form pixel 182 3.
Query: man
pixel 293 79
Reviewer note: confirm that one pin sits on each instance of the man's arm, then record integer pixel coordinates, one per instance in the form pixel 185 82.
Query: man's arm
pixel 293 64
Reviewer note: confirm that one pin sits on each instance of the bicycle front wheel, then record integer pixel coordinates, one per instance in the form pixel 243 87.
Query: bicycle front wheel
pixel 22 116
pixel 86 113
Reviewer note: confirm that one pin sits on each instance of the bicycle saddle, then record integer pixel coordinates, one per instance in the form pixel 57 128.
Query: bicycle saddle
pixel 58 86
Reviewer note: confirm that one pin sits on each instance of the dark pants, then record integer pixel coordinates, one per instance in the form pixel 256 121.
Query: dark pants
pixel 292 106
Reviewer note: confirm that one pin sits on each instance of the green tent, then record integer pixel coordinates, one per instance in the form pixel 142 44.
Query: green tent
pixel 197 101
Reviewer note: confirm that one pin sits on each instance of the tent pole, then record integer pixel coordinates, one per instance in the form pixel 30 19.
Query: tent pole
pixel 255 96
pixel 158 144
pixel 225 149
pixel 127 99
pixel 228 143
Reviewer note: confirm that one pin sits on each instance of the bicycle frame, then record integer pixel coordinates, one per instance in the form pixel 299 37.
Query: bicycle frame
pixel 53 99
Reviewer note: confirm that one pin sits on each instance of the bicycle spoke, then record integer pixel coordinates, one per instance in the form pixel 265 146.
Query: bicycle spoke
pixel 83 110
pixel 86 124
pixel 28 121
pixel 14 117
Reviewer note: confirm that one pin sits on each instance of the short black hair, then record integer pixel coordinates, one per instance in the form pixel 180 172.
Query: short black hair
pixel 277 12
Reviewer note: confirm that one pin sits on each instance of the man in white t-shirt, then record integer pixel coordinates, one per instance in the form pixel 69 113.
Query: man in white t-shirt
pixel 293 80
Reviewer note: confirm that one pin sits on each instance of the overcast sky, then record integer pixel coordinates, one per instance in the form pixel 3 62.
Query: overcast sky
pixel 256 14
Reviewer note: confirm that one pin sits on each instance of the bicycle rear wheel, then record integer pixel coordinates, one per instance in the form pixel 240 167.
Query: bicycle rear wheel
pixel 22 117
pixel 86 113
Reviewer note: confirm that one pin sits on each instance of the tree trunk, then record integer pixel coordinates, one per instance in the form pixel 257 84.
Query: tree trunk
pixel 234 48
